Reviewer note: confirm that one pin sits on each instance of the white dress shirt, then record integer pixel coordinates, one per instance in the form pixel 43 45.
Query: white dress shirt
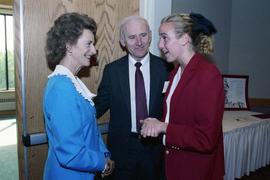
pixel 145 68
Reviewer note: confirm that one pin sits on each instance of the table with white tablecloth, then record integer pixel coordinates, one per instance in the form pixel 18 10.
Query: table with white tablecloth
pixel 246 143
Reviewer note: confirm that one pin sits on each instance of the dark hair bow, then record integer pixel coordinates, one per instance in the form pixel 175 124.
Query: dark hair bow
pixel 201 24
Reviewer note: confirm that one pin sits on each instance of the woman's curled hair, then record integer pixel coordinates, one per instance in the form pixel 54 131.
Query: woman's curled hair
pixel 197 27
pixel 66 29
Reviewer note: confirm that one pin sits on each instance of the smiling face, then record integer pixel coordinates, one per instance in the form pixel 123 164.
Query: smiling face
pixel 83 49
pixel 169 43
pixel 136 38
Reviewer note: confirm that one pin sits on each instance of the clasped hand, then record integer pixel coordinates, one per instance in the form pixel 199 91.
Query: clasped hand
pixel 152 127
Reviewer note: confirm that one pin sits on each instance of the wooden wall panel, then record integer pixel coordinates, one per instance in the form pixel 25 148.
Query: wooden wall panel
pixel 18 74
pixel 39 16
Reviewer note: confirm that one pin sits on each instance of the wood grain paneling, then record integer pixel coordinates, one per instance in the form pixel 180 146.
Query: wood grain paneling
pixel 39 16
pixel 18 84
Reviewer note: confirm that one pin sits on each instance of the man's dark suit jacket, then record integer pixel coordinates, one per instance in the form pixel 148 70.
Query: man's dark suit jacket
pixel 114 95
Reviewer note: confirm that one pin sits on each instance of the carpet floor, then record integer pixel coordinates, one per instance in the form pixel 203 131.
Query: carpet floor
pixel 8 149
pixel 260 174
pixel 9 159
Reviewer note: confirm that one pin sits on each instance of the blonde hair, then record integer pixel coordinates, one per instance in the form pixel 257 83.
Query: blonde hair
pixel 202 39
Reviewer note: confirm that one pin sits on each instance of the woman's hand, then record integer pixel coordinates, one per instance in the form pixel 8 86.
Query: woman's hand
pixel 109 168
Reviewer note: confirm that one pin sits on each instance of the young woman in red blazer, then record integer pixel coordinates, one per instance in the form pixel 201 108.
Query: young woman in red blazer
pixel 194 101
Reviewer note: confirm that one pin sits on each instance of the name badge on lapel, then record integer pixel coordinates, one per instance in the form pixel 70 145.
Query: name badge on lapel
pixel 165 87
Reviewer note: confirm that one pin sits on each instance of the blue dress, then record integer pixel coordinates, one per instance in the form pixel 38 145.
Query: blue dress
pixel 76 149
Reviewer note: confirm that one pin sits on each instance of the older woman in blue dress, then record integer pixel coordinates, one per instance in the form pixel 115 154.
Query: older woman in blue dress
pixel 76 149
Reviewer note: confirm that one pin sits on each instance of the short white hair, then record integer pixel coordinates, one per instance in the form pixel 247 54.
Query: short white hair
pixel 126 20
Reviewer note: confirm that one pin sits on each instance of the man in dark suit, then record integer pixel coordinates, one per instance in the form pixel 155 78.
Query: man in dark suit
pixel 135 158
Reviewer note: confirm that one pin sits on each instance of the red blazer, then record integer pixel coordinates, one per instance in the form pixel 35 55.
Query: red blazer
pixel 194 137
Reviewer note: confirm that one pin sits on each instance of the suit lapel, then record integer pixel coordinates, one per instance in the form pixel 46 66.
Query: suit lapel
pixel 123 79
pixel 154 82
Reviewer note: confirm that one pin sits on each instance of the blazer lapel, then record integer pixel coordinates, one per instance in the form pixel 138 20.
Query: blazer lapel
pixel 170 79
pixel 185 78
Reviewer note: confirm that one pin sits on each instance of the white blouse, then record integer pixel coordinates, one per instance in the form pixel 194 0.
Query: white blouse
pixel 176 79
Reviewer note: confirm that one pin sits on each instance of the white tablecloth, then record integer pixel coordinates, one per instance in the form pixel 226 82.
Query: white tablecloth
pixel 246 143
